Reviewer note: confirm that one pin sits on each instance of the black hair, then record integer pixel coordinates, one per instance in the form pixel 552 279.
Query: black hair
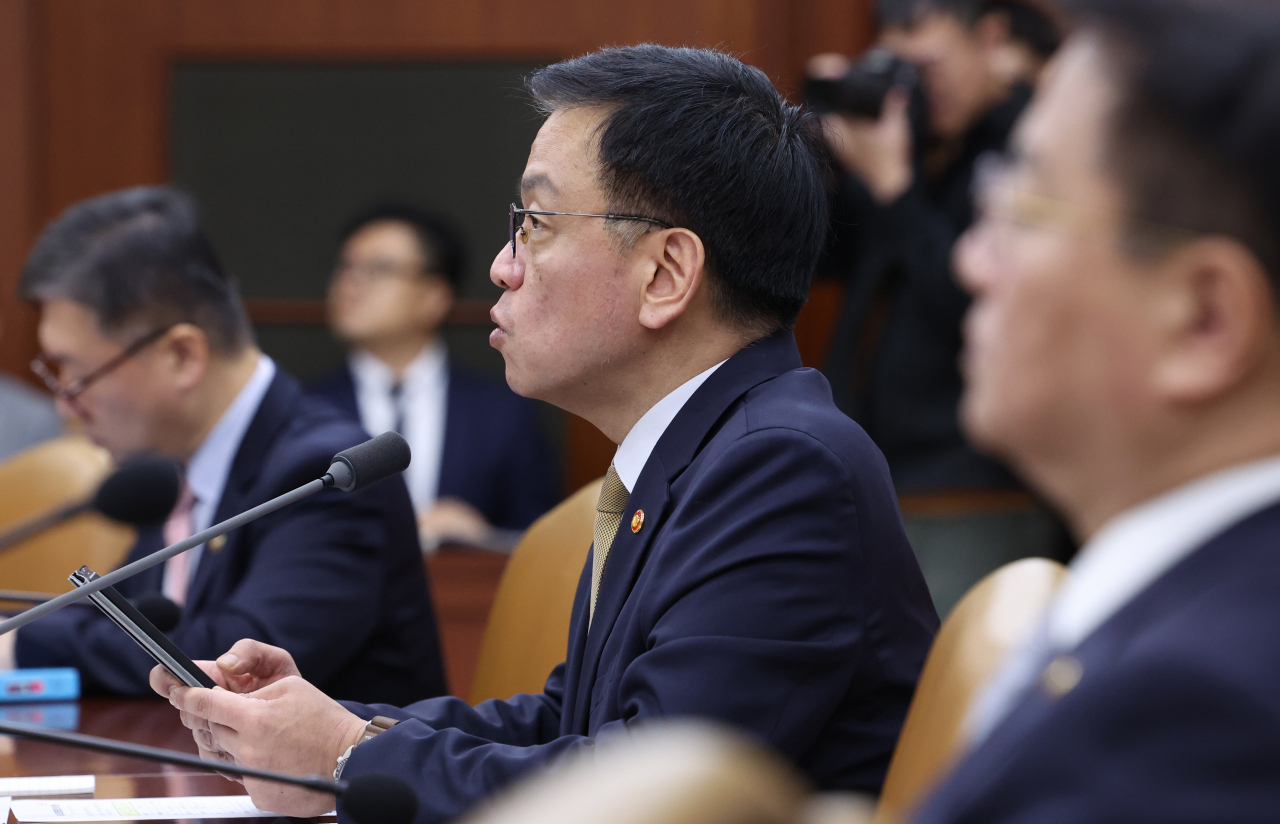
pixel 700 140
pixel 1192 138
pixel 1029 23
pixel 138 256
pixel 439 240
pixel 907 13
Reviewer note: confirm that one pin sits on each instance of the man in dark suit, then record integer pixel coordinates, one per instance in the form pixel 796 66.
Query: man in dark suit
pixel 479 459
pixel 145 344
pixel 1123 351
pixel 749 563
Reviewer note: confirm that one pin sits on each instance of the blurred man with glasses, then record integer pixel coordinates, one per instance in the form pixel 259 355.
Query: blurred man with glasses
pixel 1123 352
pixel 145 344
pixel 481 470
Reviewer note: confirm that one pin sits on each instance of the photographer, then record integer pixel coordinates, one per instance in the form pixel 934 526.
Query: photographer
pixel 950 92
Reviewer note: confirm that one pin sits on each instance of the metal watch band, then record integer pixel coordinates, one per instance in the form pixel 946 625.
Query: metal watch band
pixel 378 725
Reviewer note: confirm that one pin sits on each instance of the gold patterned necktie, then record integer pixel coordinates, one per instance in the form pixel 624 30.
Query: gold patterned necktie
pixel 613 499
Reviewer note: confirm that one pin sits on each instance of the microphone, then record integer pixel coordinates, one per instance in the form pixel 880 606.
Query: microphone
pixel 141 492
pixel 370 462
pixel 351 469
pixel 374 798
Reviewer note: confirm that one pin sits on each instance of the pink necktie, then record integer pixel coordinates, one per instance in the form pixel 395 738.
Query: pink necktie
pixel 177 570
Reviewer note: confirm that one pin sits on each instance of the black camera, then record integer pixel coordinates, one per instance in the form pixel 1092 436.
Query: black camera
pixel 862 89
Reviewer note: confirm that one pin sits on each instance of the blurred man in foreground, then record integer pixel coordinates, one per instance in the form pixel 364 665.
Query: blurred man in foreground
pixel 749 563
pixel 903 197
pixel 146 345
pixel 1123 351
pixel 479 463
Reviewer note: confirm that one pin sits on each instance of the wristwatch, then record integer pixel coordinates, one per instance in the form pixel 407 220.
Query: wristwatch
pixel 377 726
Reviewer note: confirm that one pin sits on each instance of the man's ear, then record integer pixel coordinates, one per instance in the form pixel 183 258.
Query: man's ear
pixel 185 349
pixel 1217 317
pixel 675 267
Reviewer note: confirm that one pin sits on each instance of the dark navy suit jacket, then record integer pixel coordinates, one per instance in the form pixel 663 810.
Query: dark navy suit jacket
pixel 1176 717
pixel 337 579
pixel 494 456
pixel 770 586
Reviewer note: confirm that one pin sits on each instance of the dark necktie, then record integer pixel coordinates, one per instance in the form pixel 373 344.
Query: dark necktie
pixel 397 405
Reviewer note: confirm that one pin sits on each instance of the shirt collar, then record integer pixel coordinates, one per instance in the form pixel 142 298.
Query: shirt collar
pixel 1138 546
pixel 209 467
pixel 633 453
pixel 368 371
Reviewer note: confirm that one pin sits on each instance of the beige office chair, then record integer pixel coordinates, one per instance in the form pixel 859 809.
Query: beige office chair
pixel 41 478
pixel 663 773
pixel 994 617
pixel 528 628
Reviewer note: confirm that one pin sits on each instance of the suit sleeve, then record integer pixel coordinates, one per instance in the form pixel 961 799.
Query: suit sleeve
pixel 310 586
pixel 759 599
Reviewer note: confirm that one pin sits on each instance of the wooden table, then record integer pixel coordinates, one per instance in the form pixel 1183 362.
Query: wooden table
pixel 154 723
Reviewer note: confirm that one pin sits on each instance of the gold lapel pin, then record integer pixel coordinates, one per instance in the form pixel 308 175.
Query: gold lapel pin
pixel 637 520
pixel 1061 676
pixel 216 545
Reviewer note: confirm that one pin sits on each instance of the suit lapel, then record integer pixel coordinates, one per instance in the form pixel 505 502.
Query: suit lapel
pixel 621 570
pixel 345 396
pixel 679 445
pixel 457 423
pixel 272 415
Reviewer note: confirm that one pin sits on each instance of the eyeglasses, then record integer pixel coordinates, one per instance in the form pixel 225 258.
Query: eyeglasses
pixel 524 236
pixel 47 370
pixel 1002 204
pixel 378 270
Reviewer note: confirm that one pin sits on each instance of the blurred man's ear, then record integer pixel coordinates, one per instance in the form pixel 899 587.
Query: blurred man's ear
pixel 1217 318
pixel 185 352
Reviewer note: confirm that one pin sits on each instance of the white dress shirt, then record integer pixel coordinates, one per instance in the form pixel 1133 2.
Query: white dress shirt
pixel 207 471
pixel 1125 557
pixel 633 453
pixel 424 389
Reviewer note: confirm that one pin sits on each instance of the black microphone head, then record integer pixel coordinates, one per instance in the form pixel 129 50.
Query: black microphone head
pixel 376 798
pixel 159 610
pixel 370 462
pixel 142 492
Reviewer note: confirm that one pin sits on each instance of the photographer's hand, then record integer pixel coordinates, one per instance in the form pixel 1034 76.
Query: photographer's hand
pixel 878 152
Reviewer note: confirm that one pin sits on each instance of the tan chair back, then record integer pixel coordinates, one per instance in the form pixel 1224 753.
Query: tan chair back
pixel 994 617
pixel 41 478
pixel 662 773
pixel 528 629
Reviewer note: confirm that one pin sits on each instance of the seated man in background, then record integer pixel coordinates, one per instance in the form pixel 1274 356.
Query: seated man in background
pixel 147 345
pixel 1123 351
pixel 749 563
pixel 903 197
pixel 479 461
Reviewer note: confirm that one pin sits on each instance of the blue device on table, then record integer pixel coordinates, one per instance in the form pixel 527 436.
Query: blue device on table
pixel 52 684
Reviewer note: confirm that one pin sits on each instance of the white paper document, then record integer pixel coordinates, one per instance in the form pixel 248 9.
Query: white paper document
pixel 4 810
pixel 47 785
pixel 136 809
